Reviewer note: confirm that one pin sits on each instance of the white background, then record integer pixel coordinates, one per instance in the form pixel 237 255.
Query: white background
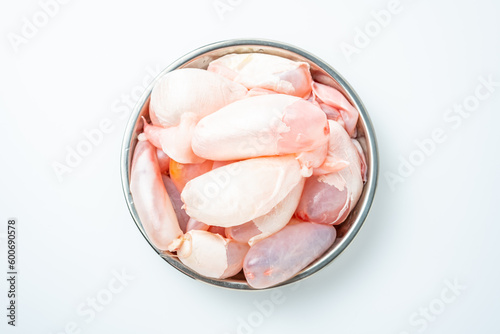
pixel 438 224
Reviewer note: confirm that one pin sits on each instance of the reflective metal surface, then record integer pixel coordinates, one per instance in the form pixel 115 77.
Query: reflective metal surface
pixel 321 72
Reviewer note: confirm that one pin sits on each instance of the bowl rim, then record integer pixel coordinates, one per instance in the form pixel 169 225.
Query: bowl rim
pixel 371 151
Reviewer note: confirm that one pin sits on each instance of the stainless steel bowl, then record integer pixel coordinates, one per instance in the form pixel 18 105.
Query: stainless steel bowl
pixel 321 72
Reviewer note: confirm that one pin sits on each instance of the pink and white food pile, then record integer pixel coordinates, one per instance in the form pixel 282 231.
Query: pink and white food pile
pixel 247 165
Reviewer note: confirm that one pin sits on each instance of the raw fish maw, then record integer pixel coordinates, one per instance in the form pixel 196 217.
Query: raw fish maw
pixel 239 192
pixel 179 100
pixel 285 253
pixel 191 90
pixel 175 198
pixel 183 173
pixel 151 199
pixel 266 72
pixel 329 197
pixel 279 216
pixel 261 126
pixel 211 254
pixel 336 106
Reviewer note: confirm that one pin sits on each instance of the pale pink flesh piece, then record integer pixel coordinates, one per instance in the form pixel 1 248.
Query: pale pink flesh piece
pixel 364 166
pixel 217 230
pixel 257 70
pixel 153 117
pixel 279 216
pixel 311 160
pixel 329 198
pixel 218 164
pixel 236 252
pixel 261 126
pixel 175 198
pixel 175 141
pixel 332 114
pixel 187 172
pixel 330 165
pixel 163 160
pixel 259 91
pixel 191 90
pixel 294 221
pixel 284 254
pixel 180 99
pixel 239 192
pixel 333 98
pixel 193 224
pixel 152 133
pixel 321 202
pixel 151 199
pixel 211 255
pixel 242 233
pixel 308 128
pixel 341 151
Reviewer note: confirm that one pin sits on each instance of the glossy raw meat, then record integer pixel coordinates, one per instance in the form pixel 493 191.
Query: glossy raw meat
pixel 183 173
pixel 330 197
pixel 175 141
pixel 217 230
pixel 239 192
pixel 279 216
pixel 285 253
pixel 211 255
pixel 243 233
pixel 261 126
pixel 175 198
pixel 364 166
pixel 273 221
pixel 257 70
pixel 180 99
pixel 322 203
pixel 260 91
pixel 191 90
pixel 311 160
pixel 151 133
pixel 332 101
pixel 341 151
pixel 163 160
pixel 151 199
pixel 193 224
pixel 248 143
pixel 218 164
